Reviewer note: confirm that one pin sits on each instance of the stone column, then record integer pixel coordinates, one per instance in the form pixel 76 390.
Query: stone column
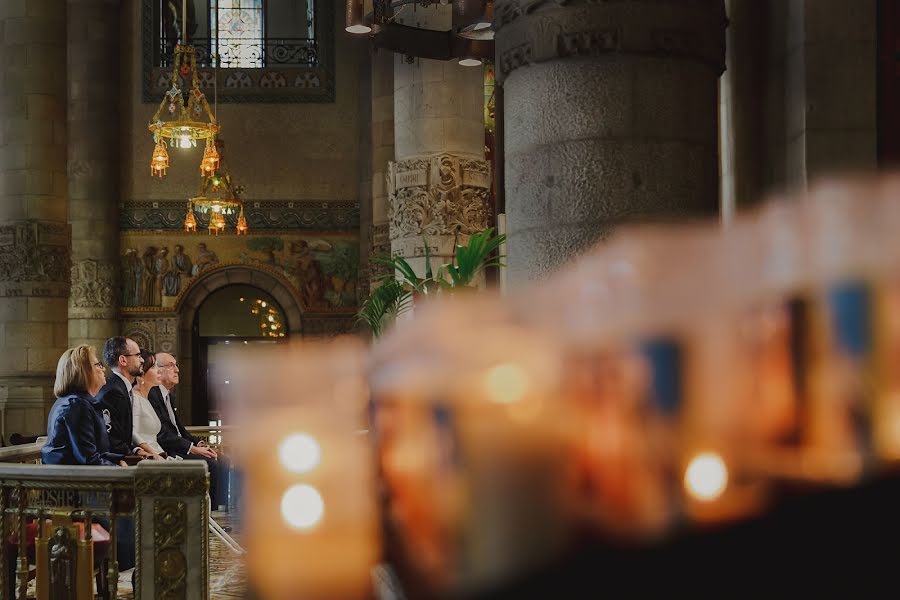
pixel 382 154
pixel 439 183
pixel 93 161
pixel 610 115
pixel 34 236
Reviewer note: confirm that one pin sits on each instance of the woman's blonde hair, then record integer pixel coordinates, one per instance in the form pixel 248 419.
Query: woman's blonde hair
pixel 75 371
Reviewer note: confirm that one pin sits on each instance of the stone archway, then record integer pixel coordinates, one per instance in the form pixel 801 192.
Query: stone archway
pixel 200 289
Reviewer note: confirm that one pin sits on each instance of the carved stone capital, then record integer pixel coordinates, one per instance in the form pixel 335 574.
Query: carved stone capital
pixel 93 293
pixel 534 31
pixel 35 258
pixel 436 196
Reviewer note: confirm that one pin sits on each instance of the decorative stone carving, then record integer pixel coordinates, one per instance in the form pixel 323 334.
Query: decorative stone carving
pixel 169 517
pixel 435 196
pixel 93 287
pixel 35 258
pixel 533 31
pixel 158 335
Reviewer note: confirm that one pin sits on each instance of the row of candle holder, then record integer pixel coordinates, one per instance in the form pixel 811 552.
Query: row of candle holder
pixel 675 375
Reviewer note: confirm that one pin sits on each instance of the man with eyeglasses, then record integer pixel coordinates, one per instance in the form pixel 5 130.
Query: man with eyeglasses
pixel 173 437
pixel 123 356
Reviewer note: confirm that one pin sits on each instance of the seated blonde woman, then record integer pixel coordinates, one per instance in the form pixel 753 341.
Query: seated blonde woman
pixel 146 423
pixel 76 432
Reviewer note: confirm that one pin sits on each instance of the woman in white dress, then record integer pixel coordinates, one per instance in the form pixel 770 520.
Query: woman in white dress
pixel 146 424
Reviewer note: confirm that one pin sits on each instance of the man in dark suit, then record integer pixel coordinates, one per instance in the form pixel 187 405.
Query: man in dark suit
pixel 123 356
pixel 173 437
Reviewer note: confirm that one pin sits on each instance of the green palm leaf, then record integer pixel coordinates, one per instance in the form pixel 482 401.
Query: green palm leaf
pixel 383 305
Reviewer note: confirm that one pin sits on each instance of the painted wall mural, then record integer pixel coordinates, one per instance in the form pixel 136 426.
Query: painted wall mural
pixel 157 267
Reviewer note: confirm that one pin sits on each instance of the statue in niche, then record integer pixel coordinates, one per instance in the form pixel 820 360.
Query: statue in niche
pixel 151 295
pixel 132 269
pixel 62 562
pixel 181 267
pixel 205 259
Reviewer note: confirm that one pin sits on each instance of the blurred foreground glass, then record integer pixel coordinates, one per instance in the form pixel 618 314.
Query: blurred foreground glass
pixel 471 445
pixel 311 524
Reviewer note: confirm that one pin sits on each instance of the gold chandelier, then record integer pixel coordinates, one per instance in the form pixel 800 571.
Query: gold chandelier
pixel 219 198
pixel 182 125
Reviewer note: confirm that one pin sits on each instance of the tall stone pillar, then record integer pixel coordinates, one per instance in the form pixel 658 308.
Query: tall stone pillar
pixel 382 154
pixel 34 236
pixel 610 115
pixel 93 150
pixel 439 184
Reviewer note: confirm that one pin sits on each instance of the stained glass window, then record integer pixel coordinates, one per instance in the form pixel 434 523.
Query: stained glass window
pixel 238 32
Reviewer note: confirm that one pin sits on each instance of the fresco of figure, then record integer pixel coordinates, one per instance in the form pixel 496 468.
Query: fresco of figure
pixel 309 274
pixel 181 267
pixel 205 259
pixel 131 278
pixel 151 293
pixel 161 268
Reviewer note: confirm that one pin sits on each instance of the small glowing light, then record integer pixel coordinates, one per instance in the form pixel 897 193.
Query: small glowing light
pixel 271 319
pixel 263 304
pixel 272 326
pixel 506 383
pixel 469 62
pixel 242 298
pixel 184 142
pixel 246 342
pixel 299 453
pixel 227 382
pixel 359 28
pixel 217 208
pixel 302 506
pixel 706 476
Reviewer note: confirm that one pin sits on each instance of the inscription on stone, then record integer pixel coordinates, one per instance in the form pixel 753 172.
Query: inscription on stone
pixel 407 179
pixel 476 179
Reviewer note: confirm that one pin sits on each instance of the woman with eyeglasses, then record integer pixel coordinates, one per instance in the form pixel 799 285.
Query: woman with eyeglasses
pixel 76 432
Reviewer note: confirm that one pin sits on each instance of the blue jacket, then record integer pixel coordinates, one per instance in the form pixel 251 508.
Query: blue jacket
pixel 76 433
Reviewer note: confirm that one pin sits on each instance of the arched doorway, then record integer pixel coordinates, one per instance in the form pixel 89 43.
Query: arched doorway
pixel 193 353
pixel 230 317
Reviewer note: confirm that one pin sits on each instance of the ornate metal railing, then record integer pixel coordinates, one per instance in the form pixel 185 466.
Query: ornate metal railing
pixel 248 53
pixel 67 521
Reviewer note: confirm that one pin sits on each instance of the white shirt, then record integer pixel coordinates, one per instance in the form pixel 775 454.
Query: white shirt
pixel 127 381
pixel 146 423
pixel 165 395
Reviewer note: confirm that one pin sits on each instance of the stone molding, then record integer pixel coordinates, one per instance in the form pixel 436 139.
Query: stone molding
pixel 35 258
pixel 435 196
pixel 94 285
pixel 534 31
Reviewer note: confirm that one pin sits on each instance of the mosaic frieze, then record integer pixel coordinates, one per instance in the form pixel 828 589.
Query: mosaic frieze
pixel 260 214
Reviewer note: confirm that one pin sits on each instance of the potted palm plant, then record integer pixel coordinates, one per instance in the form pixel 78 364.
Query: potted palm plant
pixel 396 295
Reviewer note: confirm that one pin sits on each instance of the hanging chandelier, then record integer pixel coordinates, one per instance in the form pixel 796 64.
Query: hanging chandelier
pixel 218 198
pixel 179 124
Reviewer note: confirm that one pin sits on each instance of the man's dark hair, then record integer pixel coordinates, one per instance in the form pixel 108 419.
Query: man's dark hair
pixel 113 349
